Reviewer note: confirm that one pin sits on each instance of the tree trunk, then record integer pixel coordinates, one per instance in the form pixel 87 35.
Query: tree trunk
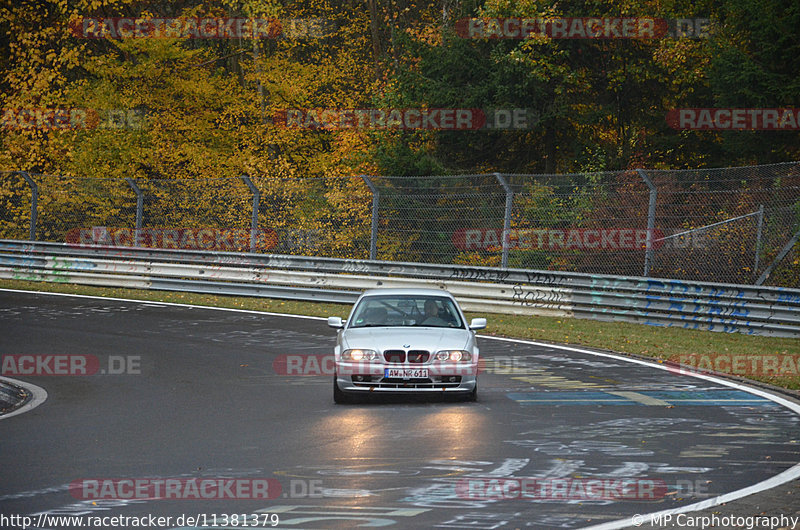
pixel 376 42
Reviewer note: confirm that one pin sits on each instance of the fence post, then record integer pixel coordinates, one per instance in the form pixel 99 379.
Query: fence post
pixel 139 208
pixel 782 254
pixel 506 217
pixel 758 237
pixel 373 231
pixel 34 202
pixel 254 217
pixel 651 221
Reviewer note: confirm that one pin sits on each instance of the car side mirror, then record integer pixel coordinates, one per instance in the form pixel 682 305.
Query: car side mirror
pixel 335 322
pixel 477 323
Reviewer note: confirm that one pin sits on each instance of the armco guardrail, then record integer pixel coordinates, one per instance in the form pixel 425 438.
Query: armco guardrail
pixel 716 307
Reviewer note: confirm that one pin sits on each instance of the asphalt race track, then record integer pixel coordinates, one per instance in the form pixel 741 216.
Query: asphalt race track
pixel 192 393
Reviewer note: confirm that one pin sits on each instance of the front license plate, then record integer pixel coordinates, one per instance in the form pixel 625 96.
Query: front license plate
pixel 406 373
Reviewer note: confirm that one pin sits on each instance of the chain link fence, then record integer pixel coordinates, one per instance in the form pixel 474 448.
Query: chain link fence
pixel 732 225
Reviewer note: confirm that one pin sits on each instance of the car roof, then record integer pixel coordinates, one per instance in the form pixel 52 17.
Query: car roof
pixel 407 291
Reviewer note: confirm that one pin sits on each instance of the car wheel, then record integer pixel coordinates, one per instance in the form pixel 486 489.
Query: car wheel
pixel 339 396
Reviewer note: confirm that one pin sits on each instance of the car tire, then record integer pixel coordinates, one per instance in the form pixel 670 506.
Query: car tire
pixel 472 396
pixel 339 397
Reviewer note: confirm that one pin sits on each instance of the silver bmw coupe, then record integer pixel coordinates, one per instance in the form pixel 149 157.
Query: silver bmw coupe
pixel 405 340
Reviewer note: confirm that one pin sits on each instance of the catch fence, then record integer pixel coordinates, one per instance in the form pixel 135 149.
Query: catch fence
pixel 732 225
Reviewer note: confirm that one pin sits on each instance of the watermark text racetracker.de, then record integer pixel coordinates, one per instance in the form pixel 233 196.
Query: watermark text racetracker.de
pixel 325 364
pixel 175 488
pixel 199 28
pixel 735 119
pixel 588 239
pixel 223 239
pixel 204 488
pixel 69 365
pixel 561 489
pixel 443 119
pixel 60 119
pixel 583 28
pixel 745 365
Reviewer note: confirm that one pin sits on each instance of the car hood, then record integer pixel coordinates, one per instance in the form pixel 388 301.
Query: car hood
pixel 406 338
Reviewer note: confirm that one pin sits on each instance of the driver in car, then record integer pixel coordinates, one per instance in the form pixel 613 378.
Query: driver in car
pixel 432 315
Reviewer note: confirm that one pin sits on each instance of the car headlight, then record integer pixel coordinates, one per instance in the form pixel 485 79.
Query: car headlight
pixel 453 355
pixel 359 355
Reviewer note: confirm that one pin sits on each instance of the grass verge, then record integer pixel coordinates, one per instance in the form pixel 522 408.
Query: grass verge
pixel 636 339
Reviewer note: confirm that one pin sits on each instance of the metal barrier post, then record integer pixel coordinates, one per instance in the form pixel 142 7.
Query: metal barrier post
pixel 139 208
pixel 758 237
pixel 254 218
pixel 506 217
pixel 782 254
pixel 373 237
pixel 34 201
pixel 651 221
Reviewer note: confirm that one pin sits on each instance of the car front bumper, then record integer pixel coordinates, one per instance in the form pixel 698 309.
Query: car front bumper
pixel 359 377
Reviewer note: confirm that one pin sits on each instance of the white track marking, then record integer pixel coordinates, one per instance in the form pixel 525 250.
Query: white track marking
pixel 37 393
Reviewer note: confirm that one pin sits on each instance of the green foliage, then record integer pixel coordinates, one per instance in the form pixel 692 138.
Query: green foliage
pixel 197 109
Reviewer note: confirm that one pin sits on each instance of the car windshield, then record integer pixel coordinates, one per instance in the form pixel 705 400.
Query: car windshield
pixel 406 310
